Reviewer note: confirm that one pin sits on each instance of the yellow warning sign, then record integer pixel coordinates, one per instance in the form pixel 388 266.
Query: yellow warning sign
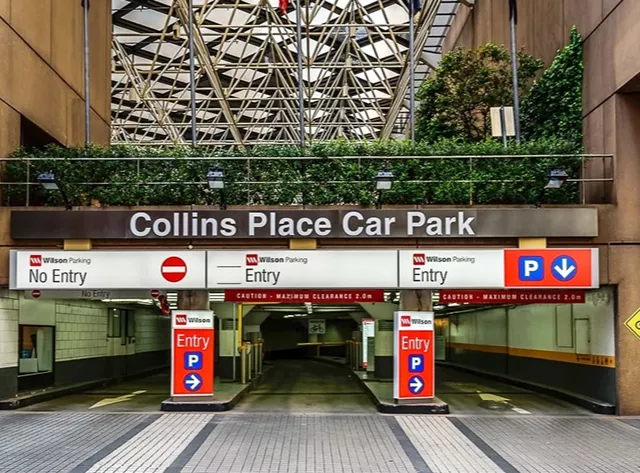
pixel 633 323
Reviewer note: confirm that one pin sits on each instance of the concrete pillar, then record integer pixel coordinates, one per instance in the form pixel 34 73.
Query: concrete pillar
pixel 227 342
pixel 193 300
pixel 420 300
pixel 382 312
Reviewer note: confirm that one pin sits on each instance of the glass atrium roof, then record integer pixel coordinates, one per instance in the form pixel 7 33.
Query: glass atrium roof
pixel 354 68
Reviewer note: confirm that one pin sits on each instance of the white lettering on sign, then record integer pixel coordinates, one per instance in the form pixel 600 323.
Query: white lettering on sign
pixel 354 223
pixel 287 226
pixel 437 226
pixel 264 276
pixel 430 275
pixel 192 341
pixel 191 224
pixel 415 344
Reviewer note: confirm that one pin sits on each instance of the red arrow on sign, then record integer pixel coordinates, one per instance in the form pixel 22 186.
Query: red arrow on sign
pixel 173 269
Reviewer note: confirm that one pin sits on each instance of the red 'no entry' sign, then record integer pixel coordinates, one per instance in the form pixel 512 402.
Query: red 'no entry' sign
pixel 174 269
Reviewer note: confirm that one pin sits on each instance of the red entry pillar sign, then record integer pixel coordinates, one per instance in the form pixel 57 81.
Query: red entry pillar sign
pixel 414 360
pixel 192 353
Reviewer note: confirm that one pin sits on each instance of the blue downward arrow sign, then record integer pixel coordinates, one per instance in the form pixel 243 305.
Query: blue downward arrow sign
pixel 564 268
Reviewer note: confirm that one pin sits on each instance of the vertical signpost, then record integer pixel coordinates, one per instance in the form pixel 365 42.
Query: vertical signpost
pixel 192 353
pixel 414 361
pixel 368 330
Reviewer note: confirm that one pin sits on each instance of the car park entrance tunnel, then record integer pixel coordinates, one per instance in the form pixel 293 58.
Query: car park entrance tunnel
pixel 311 317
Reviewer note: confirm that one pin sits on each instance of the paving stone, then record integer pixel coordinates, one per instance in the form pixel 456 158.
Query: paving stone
pixel 156 447
pixel 57 442
pixel 301 444
pixel 444 447
pixel 561 444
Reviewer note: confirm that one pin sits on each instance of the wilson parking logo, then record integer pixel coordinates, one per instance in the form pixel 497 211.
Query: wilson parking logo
pixel 181 319
pixel 251 259
pixel 35 260
pixel 419 259
pixel 405 321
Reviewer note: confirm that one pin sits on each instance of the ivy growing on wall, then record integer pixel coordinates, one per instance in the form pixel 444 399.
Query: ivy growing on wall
pixel 553 106
pixel 344 173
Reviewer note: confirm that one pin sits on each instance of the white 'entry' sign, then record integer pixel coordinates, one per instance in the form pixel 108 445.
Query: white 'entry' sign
pixel 300 269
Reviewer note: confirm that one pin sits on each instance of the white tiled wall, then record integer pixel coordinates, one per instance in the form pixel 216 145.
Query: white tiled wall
pixel 81 329
pixel 9 312
pixel 153 331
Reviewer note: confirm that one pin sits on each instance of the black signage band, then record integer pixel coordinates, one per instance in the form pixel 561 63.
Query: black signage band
pixel 343 223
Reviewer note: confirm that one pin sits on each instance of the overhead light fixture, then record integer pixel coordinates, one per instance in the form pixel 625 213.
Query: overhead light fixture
pixel 50 182
pixel 215 179
pixel 384 181
pixel 556 179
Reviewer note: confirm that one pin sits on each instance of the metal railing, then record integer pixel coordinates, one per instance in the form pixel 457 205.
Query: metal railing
pixel 251 360
pixel 593 174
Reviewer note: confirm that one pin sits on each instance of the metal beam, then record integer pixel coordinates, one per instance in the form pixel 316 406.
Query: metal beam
pixel 153 104
pixel 204 58
pixel 428 14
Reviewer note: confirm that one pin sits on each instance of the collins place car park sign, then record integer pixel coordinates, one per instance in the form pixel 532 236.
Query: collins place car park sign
pixel 229 224
pixel 294 269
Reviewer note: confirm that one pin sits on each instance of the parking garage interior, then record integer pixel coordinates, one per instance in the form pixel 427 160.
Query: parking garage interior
pixel 527 359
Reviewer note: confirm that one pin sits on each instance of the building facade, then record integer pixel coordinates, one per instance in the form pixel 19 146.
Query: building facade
pixel 42 73
pixel 611 111
pixel 41 101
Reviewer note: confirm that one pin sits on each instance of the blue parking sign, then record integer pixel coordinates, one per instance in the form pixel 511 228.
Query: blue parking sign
pixel 416 363
pixel 531 268
pixel 193 360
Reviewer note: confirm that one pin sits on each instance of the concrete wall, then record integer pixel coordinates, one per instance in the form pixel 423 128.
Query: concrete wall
pixel 41 69
pixel 81 328
pixel 83 352
pixel 611 111
pixel 543 25
pixel 569 347
pixel 153 331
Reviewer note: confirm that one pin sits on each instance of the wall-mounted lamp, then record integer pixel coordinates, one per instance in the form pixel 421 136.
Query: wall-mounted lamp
pixel 384 181
pixel 215 179
pixel 557 178
pixel 50 182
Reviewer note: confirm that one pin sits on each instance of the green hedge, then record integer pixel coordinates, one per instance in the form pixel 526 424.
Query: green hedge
pixel 281 181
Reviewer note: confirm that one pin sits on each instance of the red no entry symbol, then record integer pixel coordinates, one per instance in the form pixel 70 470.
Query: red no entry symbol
pixel 174 269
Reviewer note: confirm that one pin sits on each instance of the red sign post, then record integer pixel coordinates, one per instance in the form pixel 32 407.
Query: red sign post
pixel 414 360
pixel 192 353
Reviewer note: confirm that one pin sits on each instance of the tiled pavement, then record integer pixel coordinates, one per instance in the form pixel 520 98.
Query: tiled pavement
pixel 314 443
pixel 309 418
